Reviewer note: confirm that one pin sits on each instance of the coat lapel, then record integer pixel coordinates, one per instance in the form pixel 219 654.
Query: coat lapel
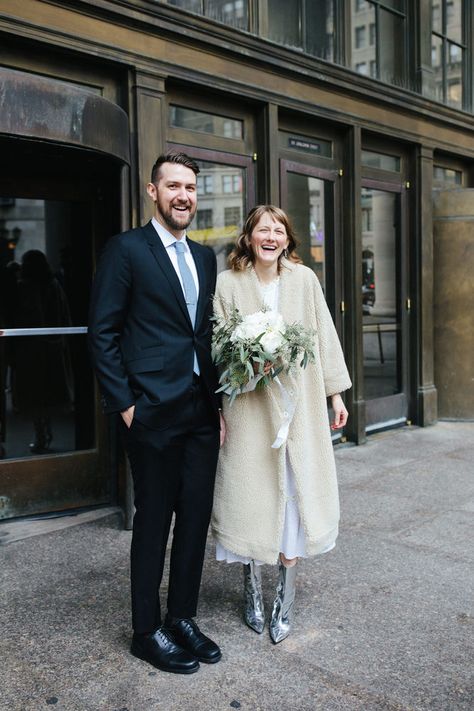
pixel 159 252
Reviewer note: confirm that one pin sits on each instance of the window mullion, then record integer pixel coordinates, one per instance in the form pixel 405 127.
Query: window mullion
pixel 377 39
pixel 303 25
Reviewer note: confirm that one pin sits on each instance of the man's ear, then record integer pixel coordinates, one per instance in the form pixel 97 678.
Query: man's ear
pixel 151 190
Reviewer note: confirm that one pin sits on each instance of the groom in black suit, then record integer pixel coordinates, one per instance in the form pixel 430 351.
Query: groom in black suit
pixel 150 337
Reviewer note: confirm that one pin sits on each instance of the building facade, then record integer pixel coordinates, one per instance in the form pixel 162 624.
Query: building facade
pixel 356 116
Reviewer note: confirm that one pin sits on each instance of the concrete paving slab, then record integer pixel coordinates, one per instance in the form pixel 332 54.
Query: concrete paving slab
pixel 384 621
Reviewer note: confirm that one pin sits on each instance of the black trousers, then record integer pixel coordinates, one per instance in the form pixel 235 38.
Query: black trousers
pixel 173 472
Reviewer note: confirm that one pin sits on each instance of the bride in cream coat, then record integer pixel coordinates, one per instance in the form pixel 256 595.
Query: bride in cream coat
pixel 275 504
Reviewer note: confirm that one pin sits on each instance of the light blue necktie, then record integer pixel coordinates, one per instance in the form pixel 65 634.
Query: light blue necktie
pixel 190 291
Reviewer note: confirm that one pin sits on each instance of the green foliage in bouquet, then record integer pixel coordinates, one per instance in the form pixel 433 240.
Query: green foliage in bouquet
pixel 239 342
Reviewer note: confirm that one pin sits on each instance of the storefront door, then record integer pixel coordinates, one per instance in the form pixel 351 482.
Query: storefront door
pixel 385 304
pixel 54 449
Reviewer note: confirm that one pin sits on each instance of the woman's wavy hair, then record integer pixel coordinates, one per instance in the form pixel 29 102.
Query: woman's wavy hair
pixel 242 255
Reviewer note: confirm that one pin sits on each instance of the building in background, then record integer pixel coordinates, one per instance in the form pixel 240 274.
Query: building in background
pixel 356 116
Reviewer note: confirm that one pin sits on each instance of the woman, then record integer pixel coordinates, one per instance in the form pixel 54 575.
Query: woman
pixel 278 504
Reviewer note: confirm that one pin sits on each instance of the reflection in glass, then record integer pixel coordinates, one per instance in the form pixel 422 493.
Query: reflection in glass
pixel 204 122
pixel 234 13
pixel 380 285
pixel 391 48
pixel 446 176
pixel 437 63
pixel 383 161
pixel 221 208
pixel 190 5
pixel 454 76
pixel 378 40
pixel 46 383
pixel 454 20
pixel 284 22
pixel 436 16
pixel 306 200
pixel 320 29
pixel 363 52
pixel 448 51
pixel 231 12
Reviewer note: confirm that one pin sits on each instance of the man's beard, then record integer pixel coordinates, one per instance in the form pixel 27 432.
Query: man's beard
pixel 170 220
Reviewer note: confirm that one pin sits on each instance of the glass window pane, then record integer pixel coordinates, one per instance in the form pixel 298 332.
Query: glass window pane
pixel 372 33
pixel 381 160
pixel 392 48
pixel 307 209
pixel 190 5
pixel 394 4
pixel 230 12
pixel 47 396
pixel 380 288
pixel 221 209
pixel 437 62
pixel 284 22
pixel 454 75
pixel 360 37
pixel 454 20
pixel 363 17
pixel 203 122
pixel 436 16
pixel 320 29
pixel 446 176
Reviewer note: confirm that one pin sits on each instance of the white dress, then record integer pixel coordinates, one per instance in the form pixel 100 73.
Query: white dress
pixel 292 543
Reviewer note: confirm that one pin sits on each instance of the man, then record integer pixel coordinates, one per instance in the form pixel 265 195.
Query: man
pixel 150 335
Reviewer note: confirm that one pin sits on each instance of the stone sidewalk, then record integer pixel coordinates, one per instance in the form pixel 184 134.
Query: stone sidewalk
pixel 382 622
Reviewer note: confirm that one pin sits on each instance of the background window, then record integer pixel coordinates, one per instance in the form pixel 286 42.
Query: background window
pixel 446 177
pixel 204 219
pixel 300 24
pixel 230 12
pixel 383 161
pixel 203 122
pixel 372 34
pixel 231 216
pixel 379 39
pixel 360 36
pixel 231 184
pixel 448 56
pixel 205 184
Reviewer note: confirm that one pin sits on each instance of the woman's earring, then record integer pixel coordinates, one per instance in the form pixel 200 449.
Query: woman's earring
pixel 285 253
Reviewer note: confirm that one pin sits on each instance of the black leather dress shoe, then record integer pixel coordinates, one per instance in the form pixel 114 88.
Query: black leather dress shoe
pixel 188 635
pixel 160 650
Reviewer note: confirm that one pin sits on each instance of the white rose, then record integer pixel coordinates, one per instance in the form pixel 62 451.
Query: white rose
pixel 271 341
pixel 275 321
pixel 251 327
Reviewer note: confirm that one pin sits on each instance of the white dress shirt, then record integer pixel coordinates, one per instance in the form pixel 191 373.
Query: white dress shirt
pixel 168 242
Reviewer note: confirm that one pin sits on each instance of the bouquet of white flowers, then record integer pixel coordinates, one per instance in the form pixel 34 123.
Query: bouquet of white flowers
pixel 244 345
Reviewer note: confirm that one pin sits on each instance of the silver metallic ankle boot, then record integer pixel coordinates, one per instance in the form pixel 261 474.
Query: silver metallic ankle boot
pixel 282 613
pixel 253 599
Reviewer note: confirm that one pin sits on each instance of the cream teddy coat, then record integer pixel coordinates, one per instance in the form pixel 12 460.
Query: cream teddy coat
pixel 249 500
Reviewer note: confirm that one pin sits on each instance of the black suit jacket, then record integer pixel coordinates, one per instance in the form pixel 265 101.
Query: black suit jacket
pixel 140 335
